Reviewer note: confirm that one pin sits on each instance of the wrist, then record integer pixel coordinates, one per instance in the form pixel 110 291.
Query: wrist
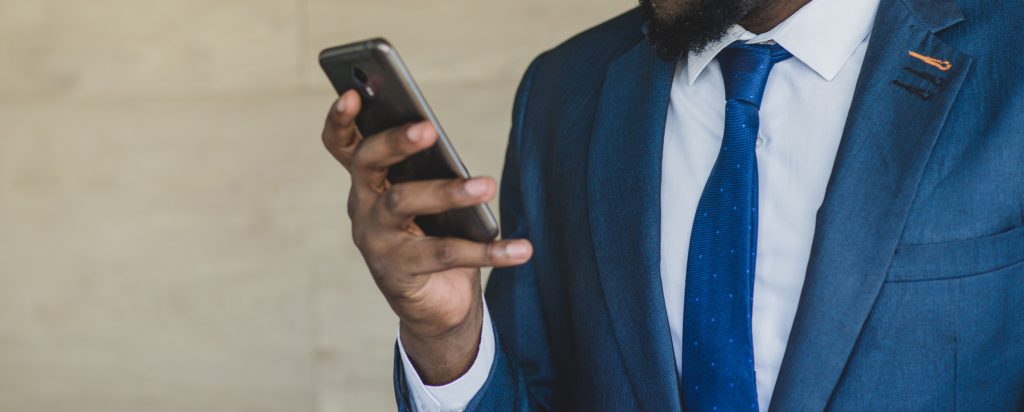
pixel 442 355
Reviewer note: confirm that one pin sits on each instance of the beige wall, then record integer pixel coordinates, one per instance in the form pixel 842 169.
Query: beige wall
pixel 172 236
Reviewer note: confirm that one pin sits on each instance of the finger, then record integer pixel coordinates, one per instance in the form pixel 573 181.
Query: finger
pixel 340 135
pixel 428 255
pixel 401 202
pixel 378 152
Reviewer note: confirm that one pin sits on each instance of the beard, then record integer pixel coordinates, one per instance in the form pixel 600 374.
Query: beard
pixel 691 25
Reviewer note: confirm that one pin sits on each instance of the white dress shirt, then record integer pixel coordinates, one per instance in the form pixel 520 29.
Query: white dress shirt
pixel 802 120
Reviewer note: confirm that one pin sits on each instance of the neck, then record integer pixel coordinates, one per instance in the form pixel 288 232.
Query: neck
pixel 770 14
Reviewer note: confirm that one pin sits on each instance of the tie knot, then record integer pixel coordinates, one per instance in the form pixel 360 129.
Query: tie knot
pixel 745 69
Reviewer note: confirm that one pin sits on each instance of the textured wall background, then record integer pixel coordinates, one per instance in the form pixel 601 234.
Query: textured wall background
pixel 173 236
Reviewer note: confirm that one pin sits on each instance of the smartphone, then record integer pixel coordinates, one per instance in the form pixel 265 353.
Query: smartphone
pixel 391 99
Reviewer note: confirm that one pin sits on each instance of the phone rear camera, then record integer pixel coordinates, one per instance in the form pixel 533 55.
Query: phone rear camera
pixel 363 83
pixel 359 75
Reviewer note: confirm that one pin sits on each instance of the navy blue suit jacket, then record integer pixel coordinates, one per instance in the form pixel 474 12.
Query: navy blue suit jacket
pixel 914 295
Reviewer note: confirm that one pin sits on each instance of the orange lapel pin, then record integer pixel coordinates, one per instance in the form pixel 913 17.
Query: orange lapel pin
pixel 940 64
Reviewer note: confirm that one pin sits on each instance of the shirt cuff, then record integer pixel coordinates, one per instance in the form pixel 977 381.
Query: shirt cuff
pixel 454 396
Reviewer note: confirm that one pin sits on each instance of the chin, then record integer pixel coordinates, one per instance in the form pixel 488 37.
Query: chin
pixel 676 27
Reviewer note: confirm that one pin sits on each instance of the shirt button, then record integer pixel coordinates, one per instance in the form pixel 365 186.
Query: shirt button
pixel 760 142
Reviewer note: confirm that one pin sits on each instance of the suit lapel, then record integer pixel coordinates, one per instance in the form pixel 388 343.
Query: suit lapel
pixel 623 191
pixel 894 120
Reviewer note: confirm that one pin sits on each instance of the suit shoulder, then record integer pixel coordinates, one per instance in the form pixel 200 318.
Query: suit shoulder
pixel 593 48
pixel 557 97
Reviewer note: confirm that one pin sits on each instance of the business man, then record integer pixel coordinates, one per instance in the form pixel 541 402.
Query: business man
pixel 731 205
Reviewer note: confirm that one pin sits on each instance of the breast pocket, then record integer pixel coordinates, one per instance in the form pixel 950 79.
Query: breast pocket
pixel 957 259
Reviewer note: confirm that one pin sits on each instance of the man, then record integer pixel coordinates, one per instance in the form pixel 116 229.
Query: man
pixel 729 205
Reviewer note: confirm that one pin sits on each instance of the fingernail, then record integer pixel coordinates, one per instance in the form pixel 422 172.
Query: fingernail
pixel 340 107
pixel 518 250
pixel 415 133
pixel 476 187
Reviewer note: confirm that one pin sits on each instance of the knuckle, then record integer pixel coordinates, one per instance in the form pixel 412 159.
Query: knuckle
pixel 378 264
pixel 364 157
pixel 342 155
pixel 396 136
pixel 325 136
pixel 345 158
pixel 329 137
pixel 392 199
pixel 336 138
pixel 453 190
pixel 353 205
pixel 359 155
pixel 360 238
pixel 446 253
pixel 364 233
pixel 370 246
pixel 489 252
pixel 332 123
pixel 334 119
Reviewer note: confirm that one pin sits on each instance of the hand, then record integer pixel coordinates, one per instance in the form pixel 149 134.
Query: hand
pixel 432 284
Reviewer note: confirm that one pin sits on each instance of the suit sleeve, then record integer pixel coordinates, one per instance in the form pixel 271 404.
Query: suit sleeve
pixel 521 377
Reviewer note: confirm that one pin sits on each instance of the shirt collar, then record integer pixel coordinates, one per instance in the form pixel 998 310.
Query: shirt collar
pixel 823 35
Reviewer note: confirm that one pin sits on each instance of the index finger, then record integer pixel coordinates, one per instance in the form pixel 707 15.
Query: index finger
pixel 340 135
pixel 387 148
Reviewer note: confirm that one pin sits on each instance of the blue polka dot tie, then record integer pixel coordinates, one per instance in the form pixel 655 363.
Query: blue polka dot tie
pixel 718 350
